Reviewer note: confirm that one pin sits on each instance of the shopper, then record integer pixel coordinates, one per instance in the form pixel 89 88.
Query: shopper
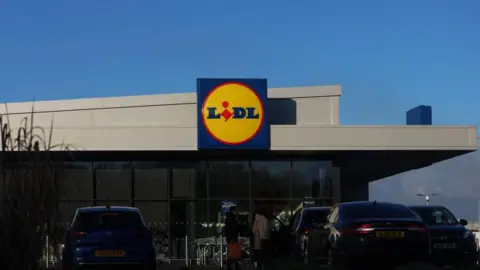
pixel 261 239
pixel 232 231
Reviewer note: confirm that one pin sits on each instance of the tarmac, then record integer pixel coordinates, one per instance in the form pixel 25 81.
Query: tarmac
pixel 288 265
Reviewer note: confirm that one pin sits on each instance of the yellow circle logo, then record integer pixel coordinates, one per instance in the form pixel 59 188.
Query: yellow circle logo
pixel 232 113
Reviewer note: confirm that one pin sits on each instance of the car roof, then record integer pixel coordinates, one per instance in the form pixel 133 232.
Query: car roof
pixel 360 203
pixel 92 209
pixel 425 206
pixel 316 208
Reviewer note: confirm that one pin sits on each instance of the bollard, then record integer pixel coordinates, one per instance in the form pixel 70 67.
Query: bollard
pixel 204 259
pixel 198 258
pixel 186 251
pixel 221 250
pixel 47 253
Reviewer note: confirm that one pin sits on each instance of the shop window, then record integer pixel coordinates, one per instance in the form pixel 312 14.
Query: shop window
pixel 271 179
pixel 200 219
pixel 75 181
pixel 155 214
pixel 311 179
pixel 228 179
pixel 67 211
pixel 113 180
pixel 112 203
pixel 190 217
pixel 279 208
pixel 201 181
pixel 151 181
pixel 217 210
pixel 183 184
pixel 15 174
pixel 188 180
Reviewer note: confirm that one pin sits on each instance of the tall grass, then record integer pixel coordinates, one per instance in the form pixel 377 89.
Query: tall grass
pixel 29 194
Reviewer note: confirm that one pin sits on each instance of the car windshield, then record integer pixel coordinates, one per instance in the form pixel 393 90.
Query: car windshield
pixel 435 215
pixel 95 220
pixel 377 210
pixel 311 217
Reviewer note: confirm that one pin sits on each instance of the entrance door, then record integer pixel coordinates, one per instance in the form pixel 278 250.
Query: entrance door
pixel 182 215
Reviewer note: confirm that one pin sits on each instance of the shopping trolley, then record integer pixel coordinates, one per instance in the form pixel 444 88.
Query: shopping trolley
pixel 213 251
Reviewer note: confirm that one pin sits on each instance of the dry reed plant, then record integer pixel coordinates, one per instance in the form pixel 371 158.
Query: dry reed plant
pixel 29 194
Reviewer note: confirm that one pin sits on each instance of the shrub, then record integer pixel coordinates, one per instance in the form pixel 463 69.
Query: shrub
pixel 28 205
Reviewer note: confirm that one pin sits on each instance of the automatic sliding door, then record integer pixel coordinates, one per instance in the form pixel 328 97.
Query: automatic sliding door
pixel 182 213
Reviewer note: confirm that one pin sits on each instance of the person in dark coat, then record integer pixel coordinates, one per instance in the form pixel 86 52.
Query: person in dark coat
pixel 232 231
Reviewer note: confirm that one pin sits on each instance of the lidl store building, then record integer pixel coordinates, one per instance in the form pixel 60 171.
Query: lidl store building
pixel 182 158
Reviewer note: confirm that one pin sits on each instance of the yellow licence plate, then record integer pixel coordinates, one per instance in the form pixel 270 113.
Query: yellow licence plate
pixel 110 253
pixel 390 234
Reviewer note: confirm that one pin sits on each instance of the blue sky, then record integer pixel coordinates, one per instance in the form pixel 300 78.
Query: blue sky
pixel 388 55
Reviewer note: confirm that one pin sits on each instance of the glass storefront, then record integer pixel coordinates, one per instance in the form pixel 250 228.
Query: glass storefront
pixel 189 199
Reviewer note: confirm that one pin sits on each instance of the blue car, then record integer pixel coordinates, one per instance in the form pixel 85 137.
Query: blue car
pixel 108 236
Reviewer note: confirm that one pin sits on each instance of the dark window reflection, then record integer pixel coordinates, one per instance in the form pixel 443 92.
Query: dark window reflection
pixel 199 218
pixel 183 183
pixel 326 189
pixel 184 180
pixel 178 218
pixel 201 182
pixel 229 179
pixel 151 181
pixel 15 174
pixel 279 212
pixel 112 203
pixel 67 210
pixel 75 181
pixel 113 180
pixel 272 207
pixel 217 211
pixel 155 214
pixel 271 179
pixel 187 217
pixel 311 179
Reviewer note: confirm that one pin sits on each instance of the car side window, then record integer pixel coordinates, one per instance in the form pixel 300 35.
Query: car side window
pixel 295 220
pixel 329 214
pixel 332 218
pixel 337 214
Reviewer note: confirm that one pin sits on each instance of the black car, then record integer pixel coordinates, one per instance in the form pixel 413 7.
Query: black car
pixel 304 234
pixel 361 234
pixel 452 243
